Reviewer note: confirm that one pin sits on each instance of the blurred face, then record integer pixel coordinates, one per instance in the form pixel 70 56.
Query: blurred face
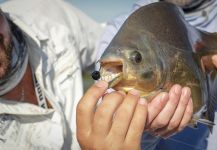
pixel 5 61
pixel 5 50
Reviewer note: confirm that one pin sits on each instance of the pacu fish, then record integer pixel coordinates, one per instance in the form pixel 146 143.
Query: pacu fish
pixel 156 48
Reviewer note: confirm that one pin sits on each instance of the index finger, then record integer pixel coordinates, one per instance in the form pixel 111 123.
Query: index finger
pixel 87 105
pixel 156 106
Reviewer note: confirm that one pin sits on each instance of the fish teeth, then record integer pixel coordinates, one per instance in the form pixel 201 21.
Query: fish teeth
pixel 109 77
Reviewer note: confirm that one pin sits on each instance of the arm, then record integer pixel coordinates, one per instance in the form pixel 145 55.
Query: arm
pixel 174 115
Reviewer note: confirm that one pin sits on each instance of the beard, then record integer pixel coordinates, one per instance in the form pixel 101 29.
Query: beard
pixel 5 60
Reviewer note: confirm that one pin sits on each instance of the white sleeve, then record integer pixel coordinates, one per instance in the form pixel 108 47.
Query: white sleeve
pixel 91 32
pixel 110 31
pixel 86 33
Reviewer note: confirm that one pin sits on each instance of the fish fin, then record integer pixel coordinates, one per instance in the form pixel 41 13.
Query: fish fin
pixel 206 122
pixel 202 117
pixel 212 99
pixel 194 122
pixel 210 124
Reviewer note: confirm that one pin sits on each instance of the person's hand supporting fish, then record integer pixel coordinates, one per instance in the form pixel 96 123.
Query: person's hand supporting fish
pixel 172 117
pixel 119 121
pixel 116 123
pixel 162 126
pixel 214 60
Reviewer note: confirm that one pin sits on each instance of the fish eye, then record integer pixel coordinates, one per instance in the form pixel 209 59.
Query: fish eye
pixel 136 57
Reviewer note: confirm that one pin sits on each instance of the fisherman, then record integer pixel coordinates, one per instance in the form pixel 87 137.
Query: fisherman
pixel 203 15
pixel 44 45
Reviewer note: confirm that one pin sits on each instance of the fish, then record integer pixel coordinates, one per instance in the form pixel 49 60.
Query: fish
pixel 156 48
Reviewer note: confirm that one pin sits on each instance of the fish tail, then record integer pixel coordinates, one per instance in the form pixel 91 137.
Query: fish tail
pixel 210 124
pixel 195 120
pixel 211 105
pixel 202 117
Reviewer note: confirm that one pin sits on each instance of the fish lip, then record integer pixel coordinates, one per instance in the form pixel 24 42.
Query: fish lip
pixel 111 71
pixel 106 61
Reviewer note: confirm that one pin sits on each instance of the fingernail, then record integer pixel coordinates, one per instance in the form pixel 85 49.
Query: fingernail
pixel 187 92
pixel 134 92
pixel 162 96
pixel 177 89
pixel 214 59
pixel 102 84
pixel 142 101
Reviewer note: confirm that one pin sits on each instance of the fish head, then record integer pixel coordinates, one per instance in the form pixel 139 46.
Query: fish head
pixel 135 64
pixel 138 55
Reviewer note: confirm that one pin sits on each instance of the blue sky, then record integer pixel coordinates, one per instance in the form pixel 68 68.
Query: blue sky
pixel 102 10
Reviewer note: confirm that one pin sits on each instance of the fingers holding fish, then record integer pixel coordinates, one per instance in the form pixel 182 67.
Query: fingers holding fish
pixel 123 115
pixel 180 110
pixel 105 112
pixel 156 106
pixel 112 124
pixel 184 122
pixel 174 123
pixel 137 124
pixel 128 123
pixel 187 116
pixel 166 114
pixel 86 106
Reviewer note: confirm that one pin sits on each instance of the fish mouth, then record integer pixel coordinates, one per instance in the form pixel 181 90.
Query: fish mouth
pixel 111 72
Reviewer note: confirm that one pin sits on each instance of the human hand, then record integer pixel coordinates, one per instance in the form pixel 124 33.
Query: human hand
pixel 209 62
pixel 177 111
pixel 214 60
pixel 117 123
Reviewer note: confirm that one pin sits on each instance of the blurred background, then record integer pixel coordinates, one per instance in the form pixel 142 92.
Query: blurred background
pixel 103 10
